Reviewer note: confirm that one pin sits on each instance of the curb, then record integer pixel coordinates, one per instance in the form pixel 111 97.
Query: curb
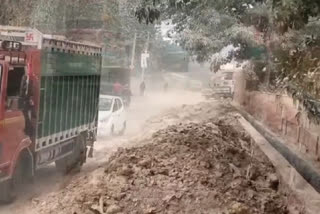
pixel 300 177
pixel 289 175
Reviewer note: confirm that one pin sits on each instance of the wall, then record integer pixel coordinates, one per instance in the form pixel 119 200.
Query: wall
pixel 280 114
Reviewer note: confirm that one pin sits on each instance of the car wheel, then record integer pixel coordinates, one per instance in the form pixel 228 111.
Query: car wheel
pixel 123 130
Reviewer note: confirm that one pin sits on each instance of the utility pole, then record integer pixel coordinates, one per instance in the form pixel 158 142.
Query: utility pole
pixel 148 40
pixel 133 51
pixel 146 55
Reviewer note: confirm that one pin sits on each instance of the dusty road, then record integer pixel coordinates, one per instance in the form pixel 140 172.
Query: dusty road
pixel 190 159
pixel 142 108
pixel 175 158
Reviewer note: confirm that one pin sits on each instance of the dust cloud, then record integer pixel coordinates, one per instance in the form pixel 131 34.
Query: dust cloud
pixel 48 180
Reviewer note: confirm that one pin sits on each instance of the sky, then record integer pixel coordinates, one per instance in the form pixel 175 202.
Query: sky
pixel 166 26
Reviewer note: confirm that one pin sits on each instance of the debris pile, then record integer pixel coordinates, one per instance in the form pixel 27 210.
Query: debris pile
pixel 206 167
pixel 217 93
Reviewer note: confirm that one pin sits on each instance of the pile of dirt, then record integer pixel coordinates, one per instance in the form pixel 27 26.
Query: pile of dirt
pixel 188 113
pixel 206 167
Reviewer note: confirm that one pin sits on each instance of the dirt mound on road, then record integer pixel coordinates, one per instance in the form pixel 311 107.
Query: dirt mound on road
pixel 186 114
pixel 207 167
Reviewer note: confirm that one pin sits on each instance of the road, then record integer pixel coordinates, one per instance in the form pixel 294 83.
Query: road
pixel 141 109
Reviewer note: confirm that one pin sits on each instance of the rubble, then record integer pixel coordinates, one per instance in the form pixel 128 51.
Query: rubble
pixel 191 167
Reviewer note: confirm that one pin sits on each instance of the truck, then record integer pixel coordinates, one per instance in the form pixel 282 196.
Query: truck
pixel 49 102
pixel 223 79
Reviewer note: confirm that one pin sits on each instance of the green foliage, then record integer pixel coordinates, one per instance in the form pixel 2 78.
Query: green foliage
pixel 278 36
pixel 294 14
pixel 16 12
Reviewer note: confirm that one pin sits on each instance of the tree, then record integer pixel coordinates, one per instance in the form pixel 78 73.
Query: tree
pixel 282 35
pixel 206 26
pixel 16 12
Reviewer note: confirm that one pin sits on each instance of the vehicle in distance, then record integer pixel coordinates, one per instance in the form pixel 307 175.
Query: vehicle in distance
pixel 112 116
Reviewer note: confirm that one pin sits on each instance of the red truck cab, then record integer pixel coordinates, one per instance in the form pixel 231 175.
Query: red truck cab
pixel 14 139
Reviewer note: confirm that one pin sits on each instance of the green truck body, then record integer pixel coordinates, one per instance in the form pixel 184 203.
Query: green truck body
pixel 69 92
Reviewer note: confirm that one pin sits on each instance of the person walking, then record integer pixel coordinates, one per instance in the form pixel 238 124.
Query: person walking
pixel 126 93
pixel 142 88
pixel 117 88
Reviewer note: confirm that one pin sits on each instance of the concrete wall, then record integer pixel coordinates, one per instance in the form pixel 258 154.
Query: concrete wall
pixel 279 113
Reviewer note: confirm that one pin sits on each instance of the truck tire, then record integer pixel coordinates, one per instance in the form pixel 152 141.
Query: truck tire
pixel 10 187
pixel 74 162
pixel 7 194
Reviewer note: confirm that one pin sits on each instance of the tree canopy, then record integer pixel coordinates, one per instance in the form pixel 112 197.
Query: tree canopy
pixel 280 37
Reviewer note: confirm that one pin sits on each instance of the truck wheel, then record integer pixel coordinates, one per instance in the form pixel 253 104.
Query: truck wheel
pixel 74 162
pixel 62 165
pixel 9 188
pixel 7 194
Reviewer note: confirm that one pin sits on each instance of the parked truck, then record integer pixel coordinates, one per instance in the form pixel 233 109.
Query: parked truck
pixel 49 97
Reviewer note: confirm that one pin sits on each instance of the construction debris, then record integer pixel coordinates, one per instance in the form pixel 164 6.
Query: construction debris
pixel 195 167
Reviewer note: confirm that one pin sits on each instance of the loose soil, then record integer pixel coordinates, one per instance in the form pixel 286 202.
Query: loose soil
pixel 198 165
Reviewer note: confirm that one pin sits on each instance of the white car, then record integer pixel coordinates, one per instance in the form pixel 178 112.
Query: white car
pixel 112 116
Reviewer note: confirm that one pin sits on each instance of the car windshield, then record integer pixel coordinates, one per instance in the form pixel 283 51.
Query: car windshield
pixel 105 104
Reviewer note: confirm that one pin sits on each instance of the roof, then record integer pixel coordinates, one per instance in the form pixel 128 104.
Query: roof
pixel 32 37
